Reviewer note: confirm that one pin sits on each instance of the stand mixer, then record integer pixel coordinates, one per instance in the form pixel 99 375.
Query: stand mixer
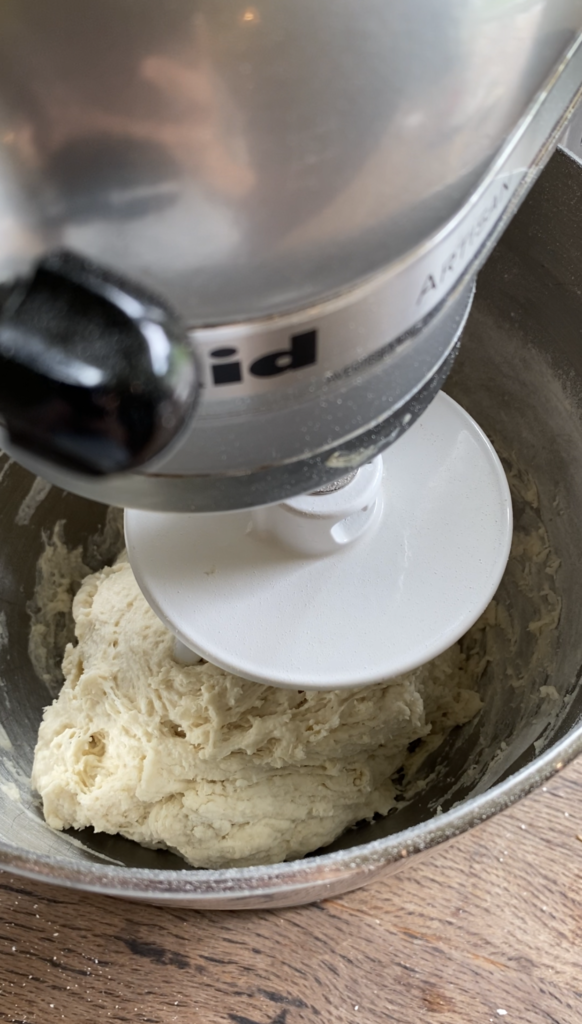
pixel 239 245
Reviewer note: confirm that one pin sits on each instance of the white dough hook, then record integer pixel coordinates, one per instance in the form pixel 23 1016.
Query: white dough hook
pixel 345 587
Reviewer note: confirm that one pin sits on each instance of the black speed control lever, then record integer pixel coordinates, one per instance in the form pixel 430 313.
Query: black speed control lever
pixel 95 375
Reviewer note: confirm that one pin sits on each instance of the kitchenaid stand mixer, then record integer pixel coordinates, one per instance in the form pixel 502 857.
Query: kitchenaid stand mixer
pixel 239 247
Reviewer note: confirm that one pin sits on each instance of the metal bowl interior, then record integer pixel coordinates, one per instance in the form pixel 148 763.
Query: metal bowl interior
pixel 520 375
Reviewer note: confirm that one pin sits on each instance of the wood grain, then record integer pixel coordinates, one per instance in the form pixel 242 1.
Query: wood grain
pixel 492 922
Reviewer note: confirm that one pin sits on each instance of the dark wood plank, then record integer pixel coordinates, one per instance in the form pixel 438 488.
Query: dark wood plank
pixel 492 922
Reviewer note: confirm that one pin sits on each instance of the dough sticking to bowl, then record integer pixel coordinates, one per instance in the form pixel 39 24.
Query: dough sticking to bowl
pixel 226 772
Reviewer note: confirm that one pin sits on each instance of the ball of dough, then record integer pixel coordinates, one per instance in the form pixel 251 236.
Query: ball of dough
pixel 218 769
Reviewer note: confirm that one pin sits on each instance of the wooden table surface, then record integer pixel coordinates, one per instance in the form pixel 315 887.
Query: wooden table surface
pixel 489 928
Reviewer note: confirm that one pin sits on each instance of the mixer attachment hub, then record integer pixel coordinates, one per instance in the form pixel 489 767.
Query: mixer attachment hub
pixel 326 521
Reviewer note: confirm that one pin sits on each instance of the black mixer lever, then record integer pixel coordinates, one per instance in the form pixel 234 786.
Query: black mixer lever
pixel 95 375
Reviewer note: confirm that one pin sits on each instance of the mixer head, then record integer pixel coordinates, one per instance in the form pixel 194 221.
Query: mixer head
pixel 307 191
pixel 275 214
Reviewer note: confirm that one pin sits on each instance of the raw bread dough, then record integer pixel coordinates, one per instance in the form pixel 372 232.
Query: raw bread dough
pixel 219 769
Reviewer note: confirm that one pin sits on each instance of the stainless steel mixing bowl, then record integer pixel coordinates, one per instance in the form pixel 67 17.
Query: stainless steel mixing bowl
pixel 520 374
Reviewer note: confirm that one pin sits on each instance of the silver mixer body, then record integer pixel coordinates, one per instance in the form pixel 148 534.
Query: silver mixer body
pixel 310 187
